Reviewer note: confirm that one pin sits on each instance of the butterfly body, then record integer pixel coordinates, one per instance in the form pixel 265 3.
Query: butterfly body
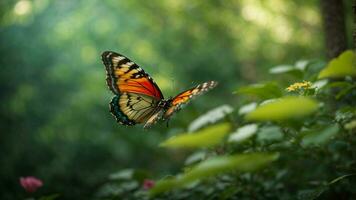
pixel 137 98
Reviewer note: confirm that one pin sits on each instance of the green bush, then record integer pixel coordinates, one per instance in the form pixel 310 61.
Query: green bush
pixel 297 143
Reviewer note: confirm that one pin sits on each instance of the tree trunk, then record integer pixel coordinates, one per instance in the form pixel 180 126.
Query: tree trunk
pixel 334 27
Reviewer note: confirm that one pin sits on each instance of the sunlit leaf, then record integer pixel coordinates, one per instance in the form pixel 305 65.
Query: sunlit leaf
pixel 264 91
pixel 214 166
pixel 247 108
pixel 284 108
pixel 243 133
pixel 207 137
pixel 195 157
pixel 122 174
pixel 267 101
pixel 242 162
pixel 281 69
pixel 344 65
pixel 210 117
pixel 164 185
pixel 287 69
pixel 129 174
pixel 351 125
pixel 317 137
pixel 319 84
pixel 301 64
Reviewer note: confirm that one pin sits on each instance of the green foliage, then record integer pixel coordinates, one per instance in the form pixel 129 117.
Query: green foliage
pixel 295 70
pixel 213 166
pixel 344 65
pixel 289 125
pixel 311 130
pixel 210 117
pixel 127 182
pixel 263 91
pixel 316 137
pixel 270 133
pixel 206 137
pixel 243 133
pixel 283 109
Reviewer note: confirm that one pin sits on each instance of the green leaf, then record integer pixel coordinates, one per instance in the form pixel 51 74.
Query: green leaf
pixel 339 84
pixel 164 185
pixel 242 162
pixel 317 137
pixel 129 174
pixel 263 91
pixel 214 166
pixel 351 125
pixel 243 133
pixel 343 88
pixel 271 133
pixel 296 71
pixel 280 69
pixel 210 117
pixel 302 64
pixel 345 114
pixel 124 174
pixel 344 65
pixel 312 194
pixel 207 137
pixel 320 84
pixel 247 108
pixel 340 178
pixel 195 157
pixel 284 108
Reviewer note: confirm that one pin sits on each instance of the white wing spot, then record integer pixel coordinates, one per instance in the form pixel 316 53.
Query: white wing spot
pixel 117 59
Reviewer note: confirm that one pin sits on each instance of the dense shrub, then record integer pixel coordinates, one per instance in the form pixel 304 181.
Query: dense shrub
pixel 293 138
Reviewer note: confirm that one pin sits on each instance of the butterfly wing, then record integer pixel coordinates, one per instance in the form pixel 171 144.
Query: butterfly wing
pixel 133 108
pixel 154 118
pixel 137 95
pixel 123 75
pixel 186 96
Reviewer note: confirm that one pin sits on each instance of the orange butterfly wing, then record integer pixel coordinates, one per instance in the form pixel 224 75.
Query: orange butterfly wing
pixel 123 75
pixel 186 96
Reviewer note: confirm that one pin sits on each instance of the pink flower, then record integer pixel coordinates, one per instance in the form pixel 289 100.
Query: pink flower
pixel 30 183
pixel 148 184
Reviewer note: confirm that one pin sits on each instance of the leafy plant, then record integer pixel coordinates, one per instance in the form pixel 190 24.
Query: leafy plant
pixel 307 130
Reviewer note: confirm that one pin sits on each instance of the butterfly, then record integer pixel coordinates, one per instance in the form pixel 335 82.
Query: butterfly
pixel 137 98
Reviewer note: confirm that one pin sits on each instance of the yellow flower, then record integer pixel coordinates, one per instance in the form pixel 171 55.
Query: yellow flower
pixel 301 85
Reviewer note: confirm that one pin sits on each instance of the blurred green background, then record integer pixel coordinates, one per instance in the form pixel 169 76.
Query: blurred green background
pixel 55 122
